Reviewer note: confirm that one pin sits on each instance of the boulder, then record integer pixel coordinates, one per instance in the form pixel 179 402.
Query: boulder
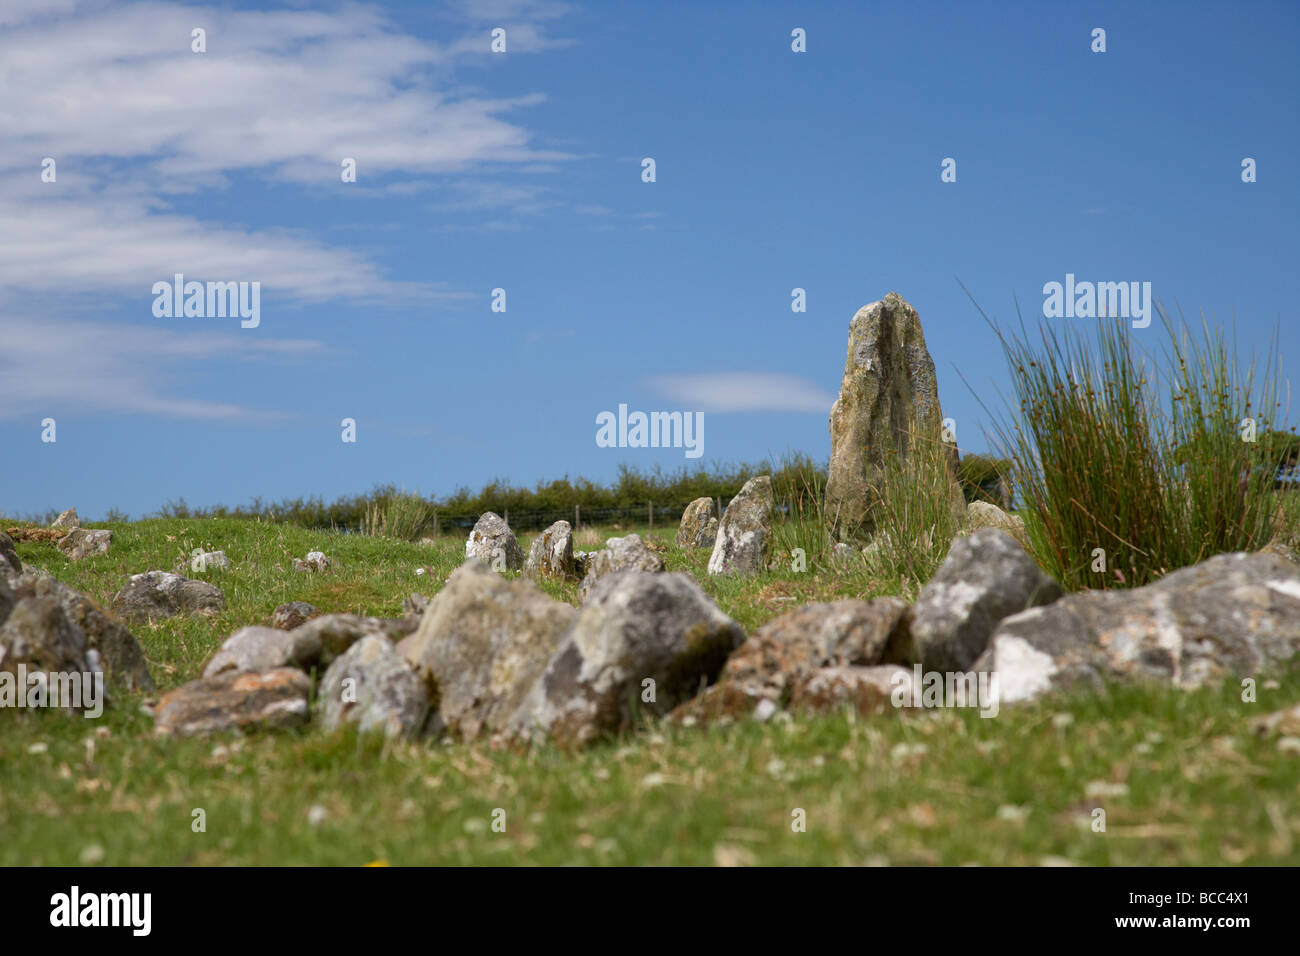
pixel 67 519
pixel 888 397
pixel 699 527
pixel 551 554
pixel 235 700
pixel 373 687
pixel 9 563
pixel 628 553
pixel 863 689
pixel 986 577
pixel 337 632
pixel 981 514
pixel 1234 615
pixel 414 605
pixel 294 614
pixel 315 561
pixel 81 542
pixel 483 642
pixel 159 594
pixel 744 543
pixel 258 648
pixel 38 636
pixel 202 560
pixel 120 655
pixel 493 543
pixel 636 627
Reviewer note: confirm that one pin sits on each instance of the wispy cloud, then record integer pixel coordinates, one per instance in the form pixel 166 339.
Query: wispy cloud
pixel 743 392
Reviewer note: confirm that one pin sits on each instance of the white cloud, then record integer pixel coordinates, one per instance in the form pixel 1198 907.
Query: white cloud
pixel 48 367
pixel 744 392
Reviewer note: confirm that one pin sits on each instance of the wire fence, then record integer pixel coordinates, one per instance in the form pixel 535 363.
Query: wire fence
pixel 652 513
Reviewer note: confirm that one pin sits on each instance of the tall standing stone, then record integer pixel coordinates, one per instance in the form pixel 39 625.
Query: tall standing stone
pixel 889 394
pixel 744 544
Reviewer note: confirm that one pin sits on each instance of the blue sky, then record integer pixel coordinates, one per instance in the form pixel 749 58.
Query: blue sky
pixel 522 171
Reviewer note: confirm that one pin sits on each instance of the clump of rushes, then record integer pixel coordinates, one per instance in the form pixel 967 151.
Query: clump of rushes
pixel 1129 465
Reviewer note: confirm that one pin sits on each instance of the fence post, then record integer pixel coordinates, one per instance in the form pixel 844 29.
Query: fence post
pixel 576 514
pixel 435 524
pixel 719 507
pixel 650 507
pixel 506 517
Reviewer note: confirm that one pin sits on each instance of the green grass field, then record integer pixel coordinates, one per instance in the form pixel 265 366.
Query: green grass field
pixel 1180 776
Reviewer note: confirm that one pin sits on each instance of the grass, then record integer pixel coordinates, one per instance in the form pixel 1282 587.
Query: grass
pixel 1180 776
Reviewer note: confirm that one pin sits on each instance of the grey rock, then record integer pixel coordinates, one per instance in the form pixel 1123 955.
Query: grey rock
pixel 551 554
pixel 636 626
pixel 38 636
pixel 67 519
pixel 744 543
pixel 986 577
pixel 699 527
pixel 483 642
pixel 889 396
pixel 202 561
pixel 493 543
pixel 81 543
pixel 315 561
pixel 628 553
pixel 10 565
pixel 235 701
pixel 263 649
pixel 161 594
pixel 294 614
pixel 981 514
pixel 338 632
pixel 1233 615
pixel 374 687
pixel 414 605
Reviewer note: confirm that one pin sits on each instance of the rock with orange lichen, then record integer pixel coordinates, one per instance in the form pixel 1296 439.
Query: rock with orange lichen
pixel 247 701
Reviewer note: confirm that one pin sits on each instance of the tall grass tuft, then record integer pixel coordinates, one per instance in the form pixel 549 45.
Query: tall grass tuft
pixel 398 514
pixel 1129 465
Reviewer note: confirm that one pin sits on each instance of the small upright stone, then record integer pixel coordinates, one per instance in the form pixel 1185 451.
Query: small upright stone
pixel 294 614
pixel 744 544
pixel 551 555
pixel 699 527
pixel 80 543
pixel 67 519
pixel 628 553
pixel 493 543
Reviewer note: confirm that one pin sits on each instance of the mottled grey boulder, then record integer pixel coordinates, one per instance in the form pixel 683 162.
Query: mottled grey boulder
pixel 744 543
pixel 38 636
pixel 635 627
pixel 82 542
pixel 67 519
pixel 9 563
pixel 294 614
pixel 551 554
pixel 981 514
pixel 484 641
pixel 1234 615
pixel 889 397
pixel 374 687
pixel 986 577
pixel 493 543
pixel 699 527
pixel 119 653
pixel 263 649
pixel 864 689
pixel 201 561
pixel 159 594
pixel 235 701
pixel 628 553
pixel 315 561
pixel 338 632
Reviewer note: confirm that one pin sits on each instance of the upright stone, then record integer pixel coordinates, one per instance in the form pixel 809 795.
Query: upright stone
pixel 889 394
pixel 492 542
pixel 699 527
pixel 744 544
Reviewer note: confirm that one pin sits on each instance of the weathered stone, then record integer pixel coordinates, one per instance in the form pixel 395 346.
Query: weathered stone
pixel 81 542
pixel 635 627
pixel 789 649
pixel 414 605
pixel 159 594
pixel 263 649
pixel 863 689
pixel 551 554
pixel 493 543
pixel 628 553
pixel 699 527
pixel 38 635
pixel 843 554
pixel 315 561
pixel 7 598
pixel 986 577
pixel 120 655
pixel 381 692
pixel 338 632
pixel 236 700
pixel 209 561
pixel 981 514
pixel 1233 615
pixel 744 543
pixel 483 642
pixel 10 565
pixel 888 398
pixel 294 614
pixel 67 519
